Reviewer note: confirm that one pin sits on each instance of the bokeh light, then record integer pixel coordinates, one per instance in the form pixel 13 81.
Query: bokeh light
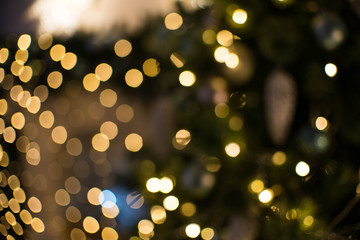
pixel 302 169
pixel 192 230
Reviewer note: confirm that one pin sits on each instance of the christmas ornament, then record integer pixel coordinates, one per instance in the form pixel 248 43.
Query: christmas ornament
pixel 280 102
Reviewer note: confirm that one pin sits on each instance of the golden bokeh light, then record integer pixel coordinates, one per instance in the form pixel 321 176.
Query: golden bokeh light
pixel 2 74
pixel 124 113
pixel 232 61
pixel 69 61
pixel 45 41
pixel 207 233
pixel 93 196
pixel 330 69
pixel 10 218
pixel 13 182
pixel 192 230
pixel 9 134
pixel 33 156
pixel 134 78
pixel 14 205
pixel 221 54
pixel 23 98
pixel 108 98
pixel 100 142
pixel 18 120
pixel 151 67
pixel 4 54
pixel 55 79
pixel 153 185
pixel 177 60
pixel 158 214
pixel 74 146
pixel 183 137
pixel 279 158
pixel 166 185
pixel 110 212
pixel 91 82
pixel 109 129
pixel 3 106
pixel 187 78
pixel 321 123
pixel 21 56
pixel 46 119
pixel 133 142
pixel 236 123
pixel 122 48
pixel 225 38
pixel 73 214
pixel 222 110
pixel 57 52
pixel 33 104
pixel 173 21
pixel 19 195
pixel 213 164
pixel 38 225
pixel 232 149
pixel 77 234
pixel 62 197
pixel 25 216
pixel 239 16
pixel 59 134
pixel 109 234
pixel 308 220
pixel 302 169
pixel 256 186
pixel 72 185
pixel 16 68
pixel 145 226
pixel 209 36
pixel 42 92
pixel 171 203
pixel 24 41
pixel 34 204
pixel 266 196
pixel 26 74
pixel 103 71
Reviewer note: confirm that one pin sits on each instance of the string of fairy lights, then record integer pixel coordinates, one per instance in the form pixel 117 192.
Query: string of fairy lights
pixel 19 129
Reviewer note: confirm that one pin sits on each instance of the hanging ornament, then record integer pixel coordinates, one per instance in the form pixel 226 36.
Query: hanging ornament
pixel 329 30
pixel 280 102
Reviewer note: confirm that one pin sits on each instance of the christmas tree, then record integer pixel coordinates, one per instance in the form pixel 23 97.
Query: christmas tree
pixel 218 120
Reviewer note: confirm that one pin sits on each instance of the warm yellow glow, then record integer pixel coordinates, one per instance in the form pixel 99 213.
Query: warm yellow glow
pixel 292 214
pixel 93 196
pixel 108 98
pixel 62 197
pixel 25 216
pixel 321 123
pixel 4 54
pixel 239 16
pixel 225 38
pixel 207 233
pixel 145 226
pixel 3 106
pixel 222 110
pixel 16 92
pixel 232 149
pixel 57 52
pixel 18 120
pixel 10 218
pixel 23 98
pixel 91 225
pixel 91 82
pixel 38 225
pixel 14 205
pixel 109 129
pixel 153 185
pixel 173 21
pixel 232 61
pixel 42 92
pixel 77 234
pixel 256 186
pixel 59 135
pixel 183 137
pixel 9 134
pixel 187 78
pixel 133 78
pixel 308 221
pixel 192 230
pixel 55 79
pixel 73 214
pixel 158 214
pixel 34 204
pixel 24 41
pixel 133 142
pixel 45 40
pixel 236 123
pixel 19 195
pixel 2 74
pixel 74 146
pixel 103 71
pixel 21 56
pixel 209 36
pixel 151 67
pixel 26 74
pixel 13 182
pixel 33 104
pixel 122 48
pixel 279 158
pixel 166 185
pixel 221 54
pixel 171 203
pixel 46 119
pixel 124 113
pixel 266 196
pixel 109 234
pixel 177 60
pixel 213 164
pixel 69 61
pixel 330 69
pixel 16 68
pixel 100 142
pixel 72 184
pixel 302 169
pixel 33 156
pixel 110 212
